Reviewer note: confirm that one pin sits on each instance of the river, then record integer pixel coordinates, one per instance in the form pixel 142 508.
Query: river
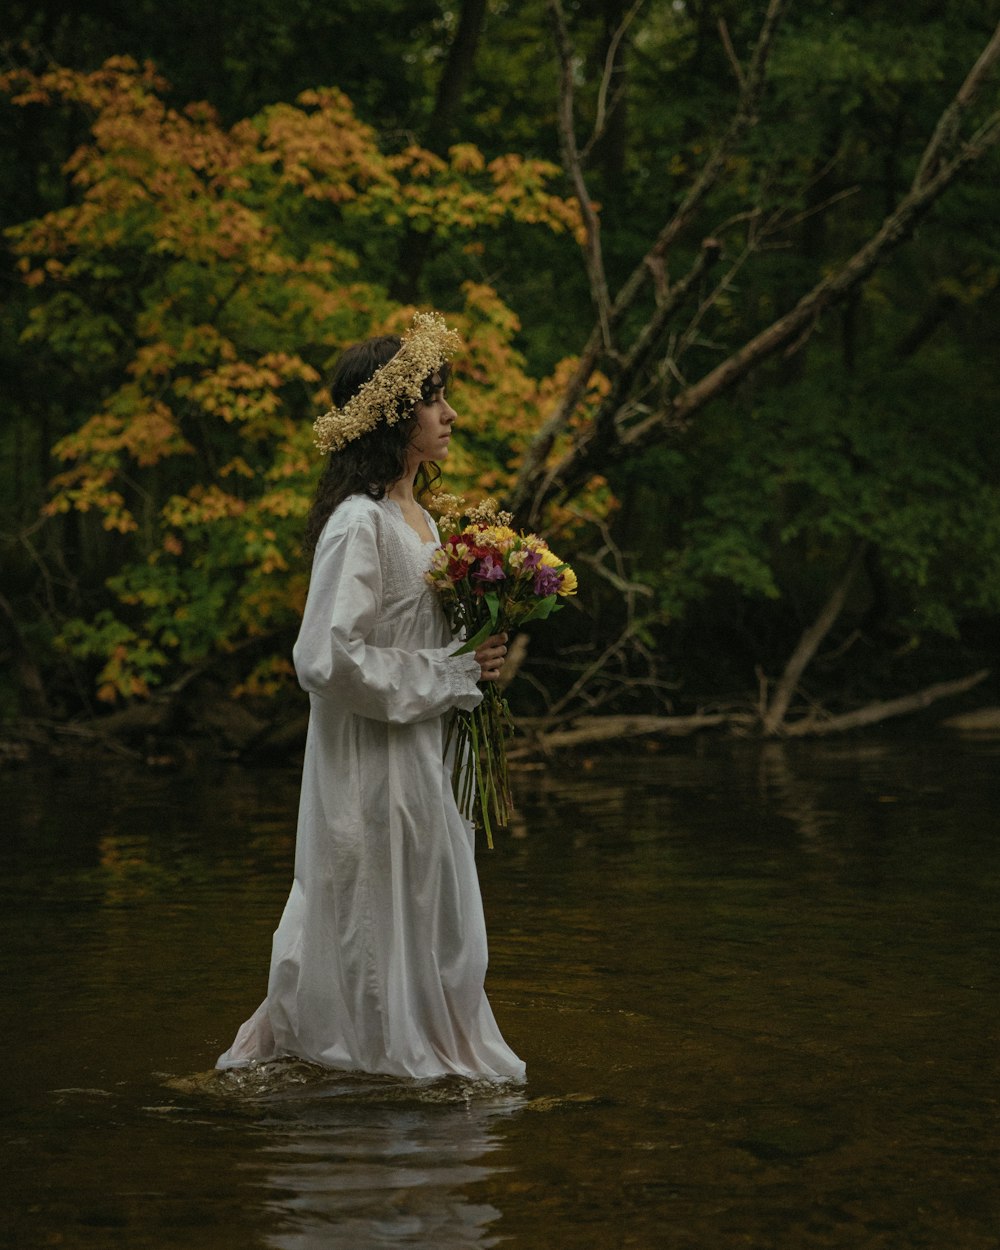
pixel 755 987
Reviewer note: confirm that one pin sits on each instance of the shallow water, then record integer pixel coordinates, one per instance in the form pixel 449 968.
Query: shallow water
pixel 755 989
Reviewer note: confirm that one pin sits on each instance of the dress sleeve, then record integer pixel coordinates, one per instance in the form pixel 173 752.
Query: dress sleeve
pixel 334 659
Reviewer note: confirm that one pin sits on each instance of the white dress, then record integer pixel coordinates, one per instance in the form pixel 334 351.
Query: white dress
pixel 379 960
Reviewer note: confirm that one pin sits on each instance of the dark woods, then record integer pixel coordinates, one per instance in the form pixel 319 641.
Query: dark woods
pixel 727 274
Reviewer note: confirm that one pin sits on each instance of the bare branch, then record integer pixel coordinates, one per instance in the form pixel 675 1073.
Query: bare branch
pixel 609 431
pixel 613 728
pixel 743 119
pixel 617 580
pixel 527 497
pixel 609 653
pixel 831 290
pixel 628 642
pixel 946 132
pixel 603 431
pixel 734 60
pixel 574 167
pixel 787 223
pixel 688 337
pixel 601 117
pixel 809 644
pixel 944 159
pixel 873 713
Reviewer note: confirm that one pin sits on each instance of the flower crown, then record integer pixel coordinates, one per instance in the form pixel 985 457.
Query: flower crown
pixel 393 388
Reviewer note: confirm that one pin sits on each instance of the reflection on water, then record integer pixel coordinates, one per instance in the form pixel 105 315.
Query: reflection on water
pixel 385 1176
pixel 755 987
pixel 397 1180
pixel 350 1161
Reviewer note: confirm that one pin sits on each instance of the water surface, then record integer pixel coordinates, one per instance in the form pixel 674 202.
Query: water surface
pixel 755 989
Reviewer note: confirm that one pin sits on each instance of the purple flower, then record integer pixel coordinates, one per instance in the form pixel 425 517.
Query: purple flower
pixel 531 560
pixel 547 581
pixel 489 569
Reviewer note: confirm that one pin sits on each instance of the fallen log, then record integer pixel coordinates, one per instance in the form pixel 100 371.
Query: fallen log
pixel 583 730
pixel 881 710
pixel 980 720
pixel 137 730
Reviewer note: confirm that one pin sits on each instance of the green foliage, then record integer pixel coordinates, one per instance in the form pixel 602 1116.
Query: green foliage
pixel 186 303
pixel 185 283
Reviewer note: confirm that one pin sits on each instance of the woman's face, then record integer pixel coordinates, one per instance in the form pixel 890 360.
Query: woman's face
pixel 435 418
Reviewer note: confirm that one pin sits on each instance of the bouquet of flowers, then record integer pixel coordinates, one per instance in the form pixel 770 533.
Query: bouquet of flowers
pixel 490 580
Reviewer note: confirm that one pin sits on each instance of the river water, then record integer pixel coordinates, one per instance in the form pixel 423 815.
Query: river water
pixel 755 987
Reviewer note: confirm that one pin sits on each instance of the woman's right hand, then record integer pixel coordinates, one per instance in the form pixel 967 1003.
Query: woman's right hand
pixel 490 655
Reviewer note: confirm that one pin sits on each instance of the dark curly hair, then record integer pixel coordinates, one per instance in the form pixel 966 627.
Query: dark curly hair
pixel 370 464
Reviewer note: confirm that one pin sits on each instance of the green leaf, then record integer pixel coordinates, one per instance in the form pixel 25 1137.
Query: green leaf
pixel 542 609
pixel 477 638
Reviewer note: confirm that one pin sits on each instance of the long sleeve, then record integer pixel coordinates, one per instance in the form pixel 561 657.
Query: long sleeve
pixel 335 658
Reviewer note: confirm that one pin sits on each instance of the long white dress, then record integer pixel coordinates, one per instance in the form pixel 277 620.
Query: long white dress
pixel 379 960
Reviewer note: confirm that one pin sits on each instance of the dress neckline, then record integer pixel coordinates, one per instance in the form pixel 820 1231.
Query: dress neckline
pixel 424 542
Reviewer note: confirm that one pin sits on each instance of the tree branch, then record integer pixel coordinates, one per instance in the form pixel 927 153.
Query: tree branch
pixel 831 290
pixel 809 644
pixel 872 713
pixel 602 435
pixel 591 729
pixel 946 132
pixel 527 498
pixel 602 112
pixel 574 167
pixel 791 331
pixel 734 60
pixel 744 118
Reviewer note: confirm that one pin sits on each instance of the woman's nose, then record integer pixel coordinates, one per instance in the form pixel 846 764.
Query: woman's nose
pixel 449 413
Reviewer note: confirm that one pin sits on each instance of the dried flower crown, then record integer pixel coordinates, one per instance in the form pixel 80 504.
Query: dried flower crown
pixel 426 345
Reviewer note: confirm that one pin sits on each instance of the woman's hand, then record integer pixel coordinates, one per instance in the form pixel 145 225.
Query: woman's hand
pixel 490 655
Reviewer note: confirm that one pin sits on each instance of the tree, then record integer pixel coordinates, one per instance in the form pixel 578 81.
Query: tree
pixel 815 473
pixel 791 270
pixel 187 302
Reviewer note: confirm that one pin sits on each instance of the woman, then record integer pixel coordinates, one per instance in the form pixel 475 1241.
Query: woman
pixel 379 959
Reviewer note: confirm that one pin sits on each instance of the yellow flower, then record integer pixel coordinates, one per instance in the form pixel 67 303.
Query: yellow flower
pixel 569 584
pixel 500 536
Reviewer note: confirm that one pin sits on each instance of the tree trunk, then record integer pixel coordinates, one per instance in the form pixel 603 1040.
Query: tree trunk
pixel 415 247
pixel 29 679
pixel 455 76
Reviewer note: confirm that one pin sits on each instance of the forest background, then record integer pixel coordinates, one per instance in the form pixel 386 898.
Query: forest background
pixel 728 278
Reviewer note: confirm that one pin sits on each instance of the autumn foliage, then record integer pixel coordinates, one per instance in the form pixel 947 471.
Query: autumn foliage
pixel 198 287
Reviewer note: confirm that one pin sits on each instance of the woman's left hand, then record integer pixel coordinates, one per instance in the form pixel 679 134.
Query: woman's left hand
pixel 490 655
